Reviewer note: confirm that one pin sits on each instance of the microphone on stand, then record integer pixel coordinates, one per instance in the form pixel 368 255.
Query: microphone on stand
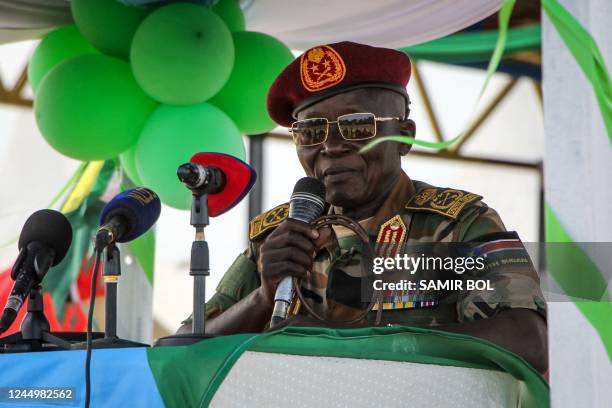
pixel 306 204
pixel 44 241
pixel 127 216
pixel 218 182
pixel 225 179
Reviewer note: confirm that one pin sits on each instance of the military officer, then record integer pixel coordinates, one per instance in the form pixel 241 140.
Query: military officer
pixel 335 99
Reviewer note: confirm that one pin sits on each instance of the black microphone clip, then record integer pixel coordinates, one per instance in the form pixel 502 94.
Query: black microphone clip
pixel 35 257
pixel 201 179
pixel 109 232
pixel 30 268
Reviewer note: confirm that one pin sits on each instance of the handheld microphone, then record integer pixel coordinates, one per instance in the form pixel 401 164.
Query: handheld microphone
pixel 127 216
pixel 44 242
pixel 306 204
pixel 226 179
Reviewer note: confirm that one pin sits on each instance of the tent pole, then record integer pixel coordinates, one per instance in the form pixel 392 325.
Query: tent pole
pixel 256 159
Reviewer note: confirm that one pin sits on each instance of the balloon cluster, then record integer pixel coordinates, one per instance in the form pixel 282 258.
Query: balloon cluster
pixel 153 86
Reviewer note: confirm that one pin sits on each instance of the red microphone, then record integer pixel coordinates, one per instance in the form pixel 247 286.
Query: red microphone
pixel 226 179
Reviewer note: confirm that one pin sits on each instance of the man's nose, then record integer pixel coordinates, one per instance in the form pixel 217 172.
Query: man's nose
pixel 335 145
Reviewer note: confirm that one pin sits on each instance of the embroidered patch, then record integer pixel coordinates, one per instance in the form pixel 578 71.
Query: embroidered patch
pixel 268 220
pixel 425 195
pixel 321 67
pixel 448 202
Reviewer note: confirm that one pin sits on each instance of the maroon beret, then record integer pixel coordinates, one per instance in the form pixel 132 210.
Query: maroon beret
pixel 328 70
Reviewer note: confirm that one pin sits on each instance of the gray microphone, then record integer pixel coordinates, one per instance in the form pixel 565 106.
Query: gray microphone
pixel 306 205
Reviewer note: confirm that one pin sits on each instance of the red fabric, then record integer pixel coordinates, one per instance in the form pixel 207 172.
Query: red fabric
pixel 240 177
pixel 75 318
pixel 326 70
pixel 83 282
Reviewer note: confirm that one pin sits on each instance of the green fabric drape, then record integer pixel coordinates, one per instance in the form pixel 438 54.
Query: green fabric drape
pixel 190 376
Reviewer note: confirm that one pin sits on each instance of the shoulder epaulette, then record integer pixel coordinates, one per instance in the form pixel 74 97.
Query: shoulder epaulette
pixel 267 221
pixel 444 201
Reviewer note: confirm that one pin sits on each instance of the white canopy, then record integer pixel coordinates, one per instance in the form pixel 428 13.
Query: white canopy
pixel 300 24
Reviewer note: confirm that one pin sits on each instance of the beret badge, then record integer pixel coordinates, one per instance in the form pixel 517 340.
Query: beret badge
pixel 321 68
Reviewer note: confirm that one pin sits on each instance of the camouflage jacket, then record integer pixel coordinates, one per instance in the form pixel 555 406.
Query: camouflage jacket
pixel 414 214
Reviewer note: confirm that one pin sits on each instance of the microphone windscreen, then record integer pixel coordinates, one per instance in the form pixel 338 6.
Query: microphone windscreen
pixel 308 200
pixel 310 185
pixel 239 179
pixel 139 206
pixel 49 227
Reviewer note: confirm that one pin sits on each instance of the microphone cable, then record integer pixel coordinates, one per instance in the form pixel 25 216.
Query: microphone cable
pixel 92 297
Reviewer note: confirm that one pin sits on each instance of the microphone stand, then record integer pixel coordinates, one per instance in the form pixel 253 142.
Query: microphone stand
pixel 35 332
pixel 111 272
pixel 199 269
pixel 199 265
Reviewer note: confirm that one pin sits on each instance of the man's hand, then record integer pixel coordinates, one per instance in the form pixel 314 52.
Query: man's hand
pixel 288 251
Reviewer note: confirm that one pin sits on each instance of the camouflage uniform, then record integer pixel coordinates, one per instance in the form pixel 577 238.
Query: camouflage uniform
pixel 413 214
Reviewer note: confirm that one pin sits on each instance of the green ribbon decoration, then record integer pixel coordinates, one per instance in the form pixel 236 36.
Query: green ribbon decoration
pixel 584 49
pixel 580 43
pixel 579 277
pixel 84 221
pixel 475 46
pixel 504 20
pixel 75 176
pixel 143 249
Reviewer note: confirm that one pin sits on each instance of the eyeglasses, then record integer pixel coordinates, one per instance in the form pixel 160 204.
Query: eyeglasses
pixel 353 127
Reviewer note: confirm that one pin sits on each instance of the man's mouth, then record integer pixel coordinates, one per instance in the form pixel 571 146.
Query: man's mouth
pixel 337 173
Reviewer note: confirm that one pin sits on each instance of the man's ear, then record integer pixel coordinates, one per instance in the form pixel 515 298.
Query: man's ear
pixel 407 128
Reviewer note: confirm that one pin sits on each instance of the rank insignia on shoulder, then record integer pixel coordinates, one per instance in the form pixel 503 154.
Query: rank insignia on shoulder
pixel 266 221
pixel 444 201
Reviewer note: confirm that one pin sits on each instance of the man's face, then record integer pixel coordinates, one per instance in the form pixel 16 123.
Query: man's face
pixel 352 179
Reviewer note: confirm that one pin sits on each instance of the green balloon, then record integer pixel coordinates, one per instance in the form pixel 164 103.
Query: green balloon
pixel 55 47
pixel 231 14
pixel 90 107
pixel 127 160
pixel 259 60
pixel 182 54
pixel 175 133
pixel 108 24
